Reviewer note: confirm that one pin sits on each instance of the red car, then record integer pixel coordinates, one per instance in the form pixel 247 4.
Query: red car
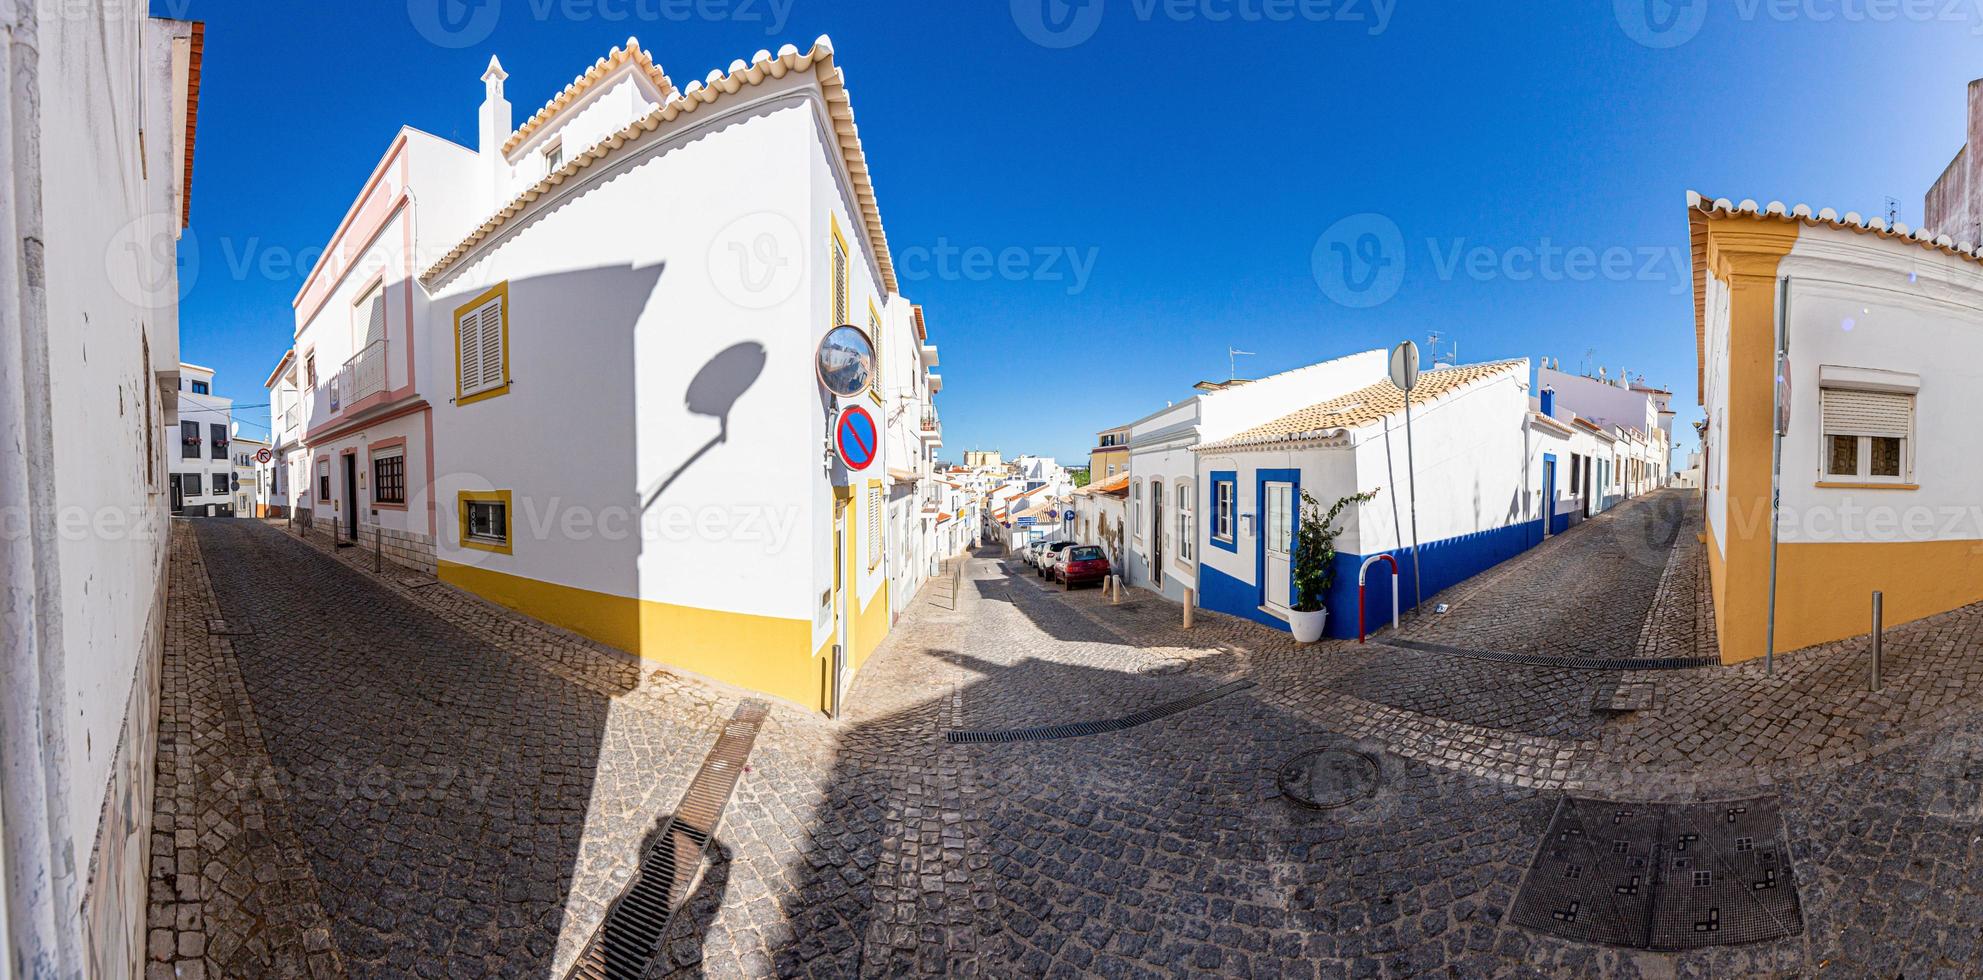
pixel 1081 565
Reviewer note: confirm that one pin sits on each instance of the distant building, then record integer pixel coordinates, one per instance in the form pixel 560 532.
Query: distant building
pixel 251 497
pixel 980 459
pixel 199 462
pixel 1110 455
pixel 1953 206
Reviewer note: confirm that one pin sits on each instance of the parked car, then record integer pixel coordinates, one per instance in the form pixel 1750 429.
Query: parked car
pixel 1081 565
pixel 1051 555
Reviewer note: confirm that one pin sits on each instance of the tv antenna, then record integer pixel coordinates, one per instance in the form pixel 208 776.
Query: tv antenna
pixel 1432 348
pixel 1893 211
pixel 1232 361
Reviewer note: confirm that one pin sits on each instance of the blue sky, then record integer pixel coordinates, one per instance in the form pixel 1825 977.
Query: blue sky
pixel 1091 221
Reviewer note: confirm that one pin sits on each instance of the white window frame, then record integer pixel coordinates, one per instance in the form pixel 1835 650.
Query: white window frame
pixel 469 522
pixel 554 156
pixel 1864 455
pixel 1187 528
pixel 1136 507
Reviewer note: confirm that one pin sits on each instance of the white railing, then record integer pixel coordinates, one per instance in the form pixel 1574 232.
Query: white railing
pixel 290 414
pixel 362 376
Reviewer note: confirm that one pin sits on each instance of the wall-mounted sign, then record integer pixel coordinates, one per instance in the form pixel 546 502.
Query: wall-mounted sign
pixel 855 438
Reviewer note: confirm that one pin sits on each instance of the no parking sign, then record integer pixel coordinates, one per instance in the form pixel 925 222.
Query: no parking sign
pixel 855 438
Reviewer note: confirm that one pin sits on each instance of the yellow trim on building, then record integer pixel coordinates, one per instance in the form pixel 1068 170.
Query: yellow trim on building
pixel 769 654
pixel 461 501
pixel 1835 485
pixel 1744 253
pixel 841 277
pixel 876 542
pixel 501 289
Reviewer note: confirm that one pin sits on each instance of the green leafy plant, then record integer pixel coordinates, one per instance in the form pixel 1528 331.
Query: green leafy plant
pixel 1315 549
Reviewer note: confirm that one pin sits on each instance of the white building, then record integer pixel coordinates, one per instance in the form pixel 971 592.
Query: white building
pixel 198 431
pixel 251 490
pixel 98 105
pixel 1638 416
pixel 593 398
pixel 1162 511
pixel 1476 503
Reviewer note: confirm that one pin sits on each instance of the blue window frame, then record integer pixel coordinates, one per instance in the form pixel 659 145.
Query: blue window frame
pixel 1224 508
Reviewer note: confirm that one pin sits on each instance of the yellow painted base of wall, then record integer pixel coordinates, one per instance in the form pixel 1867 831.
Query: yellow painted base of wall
pixel 1825 591
pixel 762 653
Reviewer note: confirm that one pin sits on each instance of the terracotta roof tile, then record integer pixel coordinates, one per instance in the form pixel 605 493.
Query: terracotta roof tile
pixel 630 52
pixel 1360 407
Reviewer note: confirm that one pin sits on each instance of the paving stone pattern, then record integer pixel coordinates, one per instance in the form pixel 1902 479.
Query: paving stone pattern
pixel 871 847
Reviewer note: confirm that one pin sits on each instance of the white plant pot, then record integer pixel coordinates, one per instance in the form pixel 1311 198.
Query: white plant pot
pixel 1307 626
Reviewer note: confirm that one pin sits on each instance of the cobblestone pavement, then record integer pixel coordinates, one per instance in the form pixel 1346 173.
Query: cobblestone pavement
pixel 1589 592
pixel 468 788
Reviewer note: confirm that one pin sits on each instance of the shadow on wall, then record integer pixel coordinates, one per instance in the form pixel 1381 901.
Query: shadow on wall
pixel 714 393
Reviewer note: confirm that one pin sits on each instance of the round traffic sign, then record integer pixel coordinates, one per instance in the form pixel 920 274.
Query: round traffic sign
pixel 263 455
pixel 855 438
pixel 1404 366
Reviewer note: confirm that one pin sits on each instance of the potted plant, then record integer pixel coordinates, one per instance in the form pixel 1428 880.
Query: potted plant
pixel 1315 564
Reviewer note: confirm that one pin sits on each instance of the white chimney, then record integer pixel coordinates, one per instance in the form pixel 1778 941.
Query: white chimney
pixel 496 129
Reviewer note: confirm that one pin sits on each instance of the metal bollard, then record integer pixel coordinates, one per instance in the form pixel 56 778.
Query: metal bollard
pixel 378 562
pixel 1190 600
pixel 1877 616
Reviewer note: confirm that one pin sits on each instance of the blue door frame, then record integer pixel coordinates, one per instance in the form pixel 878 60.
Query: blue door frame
pixel 1549 497
pixel 1260 480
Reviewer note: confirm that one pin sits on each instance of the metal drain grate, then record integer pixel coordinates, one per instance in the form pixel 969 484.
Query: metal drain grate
pixel 1545 660
pixel 1324 779
pixel 630 938
pixel 1085 728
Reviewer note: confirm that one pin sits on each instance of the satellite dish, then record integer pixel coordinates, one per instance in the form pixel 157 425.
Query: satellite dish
pixel 845 360
pixel 235 430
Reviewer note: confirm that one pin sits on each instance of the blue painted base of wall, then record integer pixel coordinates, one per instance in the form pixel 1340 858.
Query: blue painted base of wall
pixel 1443 564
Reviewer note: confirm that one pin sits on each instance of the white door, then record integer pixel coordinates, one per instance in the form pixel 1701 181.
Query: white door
pixel 1277 537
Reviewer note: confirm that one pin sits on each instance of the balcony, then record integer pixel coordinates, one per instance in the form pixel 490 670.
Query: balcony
pixel 929 355
pixel 361 377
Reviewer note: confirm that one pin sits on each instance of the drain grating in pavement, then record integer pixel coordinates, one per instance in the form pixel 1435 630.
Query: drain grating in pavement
pixel 1663 876
pixel 1324 779
pixel 1545 660
pixel 628 941
pixel 1085 728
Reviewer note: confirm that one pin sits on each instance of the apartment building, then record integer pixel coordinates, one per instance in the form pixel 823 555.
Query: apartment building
pixel 100 105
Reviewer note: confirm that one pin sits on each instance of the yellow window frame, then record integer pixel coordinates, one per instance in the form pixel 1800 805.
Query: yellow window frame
pixel 464 498
pixel 841 262
pixel 874 330
pixel 501 289
pixel 877 528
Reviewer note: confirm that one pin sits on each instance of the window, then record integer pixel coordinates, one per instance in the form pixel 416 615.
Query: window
pixel 841 305
pixel 191 485
pixel 554 156
pixel 1186 528
pixel 189 440
pixel 1222 494
pixel 875 518
pixel 202 388
pixel 1866 435
pixel 323 480
pixel 481 340
pixel 368 316
pixel 485 520
pixel 1576 473
pixel 389 476
pixel 218 439
pixel 310 370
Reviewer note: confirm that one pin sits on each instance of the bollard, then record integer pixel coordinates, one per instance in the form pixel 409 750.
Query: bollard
pixel 1877 615
pixel 378 562
pixel 1190 600
pixel 336 535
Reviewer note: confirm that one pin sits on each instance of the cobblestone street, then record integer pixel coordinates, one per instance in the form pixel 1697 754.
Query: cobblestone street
pixel 380 776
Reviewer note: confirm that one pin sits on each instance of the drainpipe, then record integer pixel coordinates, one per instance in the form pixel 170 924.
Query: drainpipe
pixel 40 889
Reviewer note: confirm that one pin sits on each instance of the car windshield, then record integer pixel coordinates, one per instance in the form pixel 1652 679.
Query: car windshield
pixel 1084 553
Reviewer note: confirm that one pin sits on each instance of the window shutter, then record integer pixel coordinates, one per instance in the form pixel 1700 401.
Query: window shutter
pixel 1850 412
pixel 492 343
pixel 468 337
pixel 375 324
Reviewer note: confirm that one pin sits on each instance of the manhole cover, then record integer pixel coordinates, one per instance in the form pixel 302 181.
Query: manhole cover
pixel 1328 778
pixel 1663 876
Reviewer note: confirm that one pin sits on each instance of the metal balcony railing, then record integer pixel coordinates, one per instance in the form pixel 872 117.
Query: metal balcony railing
pixel 362 376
